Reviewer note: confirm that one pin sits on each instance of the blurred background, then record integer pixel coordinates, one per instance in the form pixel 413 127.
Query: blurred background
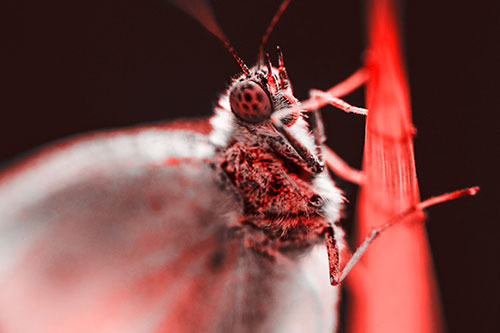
pixel 75 67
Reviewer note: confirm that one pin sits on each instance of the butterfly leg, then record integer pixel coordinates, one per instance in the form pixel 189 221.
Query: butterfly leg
pixel 333 161
pixel 409 213
pixel 318 130
pixel 369 239
pixel 338 275
pixel 353 82
pixel 317 100
pixel 341 168
pixel 320 98
pixel 331 96
pixel 333 255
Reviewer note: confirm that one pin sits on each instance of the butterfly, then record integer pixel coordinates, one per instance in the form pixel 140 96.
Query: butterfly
pixel 109 232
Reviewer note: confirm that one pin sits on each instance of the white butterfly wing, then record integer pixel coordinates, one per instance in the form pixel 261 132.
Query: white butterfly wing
pixel 130 231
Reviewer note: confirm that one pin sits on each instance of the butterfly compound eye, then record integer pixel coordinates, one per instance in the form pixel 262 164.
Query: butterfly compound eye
pixel 250 102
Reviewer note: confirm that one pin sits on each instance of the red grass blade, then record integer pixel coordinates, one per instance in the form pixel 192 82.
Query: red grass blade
pixel 396 291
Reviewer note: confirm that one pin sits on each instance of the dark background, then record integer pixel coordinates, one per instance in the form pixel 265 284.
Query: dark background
pixel 75 67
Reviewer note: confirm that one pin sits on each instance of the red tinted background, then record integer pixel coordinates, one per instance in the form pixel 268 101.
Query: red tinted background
pixel 76 67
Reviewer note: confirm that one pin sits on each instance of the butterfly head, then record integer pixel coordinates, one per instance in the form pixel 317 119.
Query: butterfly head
pixel 255 95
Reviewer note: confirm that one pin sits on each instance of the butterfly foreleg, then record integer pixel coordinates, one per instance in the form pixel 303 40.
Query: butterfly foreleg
pixel 319 98
pixel 353 82
pixel 323 98
pixel 332 95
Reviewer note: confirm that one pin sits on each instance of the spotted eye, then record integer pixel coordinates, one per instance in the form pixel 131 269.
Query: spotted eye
pixel 249 101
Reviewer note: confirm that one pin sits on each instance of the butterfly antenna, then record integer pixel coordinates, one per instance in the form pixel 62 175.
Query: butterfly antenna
pixel 202 12
pixel 235 55
pixel 275 20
